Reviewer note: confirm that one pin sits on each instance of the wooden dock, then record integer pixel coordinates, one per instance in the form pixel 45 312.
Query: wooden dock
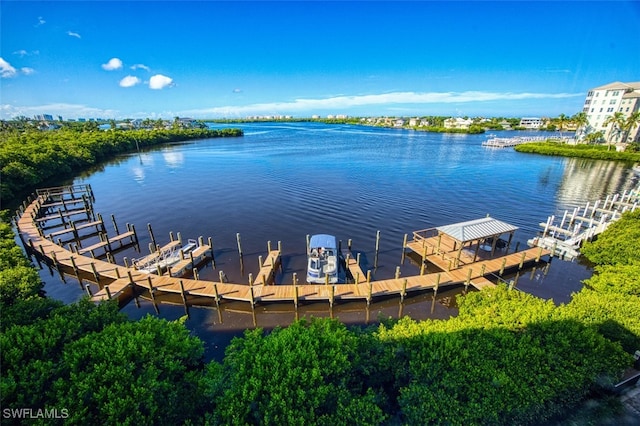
pixel 564 237
pixel 116 280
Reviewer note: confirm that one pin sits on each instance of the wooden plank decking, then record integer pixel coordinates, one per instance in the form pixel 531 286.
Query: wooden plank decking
pixel 260 290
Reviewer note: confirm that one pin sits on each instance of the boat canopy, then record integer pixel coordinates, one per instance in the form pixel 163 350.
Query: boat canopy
pixel 323 240
pixel 477 229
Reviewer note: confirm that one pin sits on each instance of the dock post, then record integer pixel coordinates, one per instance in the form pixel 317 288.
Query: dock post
pixel 375 259
pixel 126 262
pixel 269 246
pixel 151 291
pixel 95 273
pixel 184 297
pixel 358 259
pixel 423 266
pixel 250 279
pixel 468 281
pixel 435 288
pixel 368 275
pixel 308 243
pixel 504 263
pixel 357 277
pixel 76 270
pixel 153 238
pixel 524 255
pixel 539 255
pixel 115 225
pixel 369 291
pixel 332 295
pixel 106 289
pixel 253 302
pixel 260 261
pixel 295 278
pixel 87 287
pixel 349 243
pixel 295 295
pixel 404 248
pixel 213 259
pixel 483 269
pixel 404 290
pixel 264 280
pixel 239 244
pixel 216 294
pixel 397 272
pixel 35 254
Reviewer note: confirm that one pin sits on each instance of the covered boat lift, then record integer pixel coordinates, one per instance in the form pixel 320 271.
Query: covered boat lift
pixel 448 241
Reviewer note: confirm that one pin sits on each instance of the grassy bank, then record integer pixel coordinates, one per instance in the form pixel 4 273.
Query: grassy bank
pixel 595 152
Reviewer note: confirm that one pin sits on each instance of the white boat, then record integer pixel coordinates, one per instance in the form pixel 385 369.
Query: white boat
pixel 165 258
pixel 323 260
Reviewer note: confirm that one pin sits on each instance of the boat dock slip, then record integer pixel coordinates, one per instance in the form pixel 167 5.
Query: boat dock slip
pixel 518 140
pixel 464 259
pixel 564 236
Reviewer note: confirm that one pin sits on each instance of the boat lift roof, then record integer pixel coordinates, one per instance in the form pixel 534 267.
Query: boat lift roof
pixel 477 229
pixel 323 240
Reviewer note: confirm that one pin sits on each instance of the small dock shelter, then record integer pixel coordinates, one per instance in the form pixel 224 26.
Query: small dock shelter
pixel 460 243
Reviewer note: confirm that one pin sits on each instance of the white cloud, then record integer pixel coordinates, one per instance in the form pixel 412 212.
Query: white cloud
pixel 6 70
pixel 40 21
pixel 27 70
pixel 73 34
pixel 113 64
pixel 159 81
pixel 237 90
pixel 393 98
pixel 140 66
pixel 21 52
pixel 129 81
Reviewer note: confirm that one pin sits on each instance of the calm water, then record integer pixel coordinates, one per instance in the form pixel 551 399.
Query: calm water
pixel 281 182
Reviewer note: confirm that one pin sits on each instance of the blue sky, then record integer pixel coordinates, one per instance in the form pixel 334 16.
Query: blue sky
pixel 207 59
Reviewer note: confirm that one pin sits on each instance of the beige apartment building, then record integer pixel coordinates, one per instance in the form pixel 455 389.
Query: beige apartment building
pixel 604 101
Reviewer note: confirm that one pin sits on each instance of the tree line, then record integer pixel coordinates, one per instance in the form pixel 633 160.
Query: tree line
pixel 28 158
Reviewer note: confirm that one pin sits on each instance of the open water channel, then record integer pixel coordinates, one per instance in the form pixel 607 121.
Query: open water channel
pixel 282 181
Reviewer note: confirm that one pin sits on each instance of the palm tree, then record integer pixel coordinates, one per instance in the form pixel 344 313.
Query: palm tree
pixel 632 121
pixel 594 137
pixel 582 121
pixel 561 120
pixel 617 121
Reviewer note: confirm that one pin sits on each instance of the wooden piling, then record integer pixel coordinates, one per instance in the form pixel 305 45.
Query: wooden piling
pixel 213 258
pixel 397 276
pixel 183 294
pixel 504 262
pixel 239 244
pixel 76 270
pixel 217 296
pixel 95 273
pixel 152 293
pixel 539 255
pixel 375 259
pixel 153 238
pixel 87 287
pixel 524 255
pixel 108 291
pixel 404 290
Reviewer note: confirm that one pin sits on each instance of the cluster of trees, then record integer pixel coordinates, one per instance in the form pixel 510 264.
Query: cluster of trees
pixel 28 158
pixel 507 358
pixel 595 152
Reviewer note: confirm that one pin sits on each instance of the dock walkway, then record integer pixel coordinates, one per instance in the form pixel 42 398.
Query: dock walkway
pixel 116 280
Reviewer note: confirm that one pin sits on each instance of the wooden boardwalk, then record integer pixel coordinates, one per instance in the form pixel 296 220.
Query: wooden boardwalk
pixel 116 280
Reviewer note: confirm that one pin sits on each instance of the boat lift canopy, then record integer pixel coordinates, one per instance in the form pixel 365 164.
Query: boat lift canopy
pixel 478 229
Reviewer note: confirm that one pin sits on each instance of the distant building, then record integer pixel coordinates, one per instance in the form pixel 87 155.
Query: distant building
pixel 604 101
pixel 457 123
pixel 531 122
